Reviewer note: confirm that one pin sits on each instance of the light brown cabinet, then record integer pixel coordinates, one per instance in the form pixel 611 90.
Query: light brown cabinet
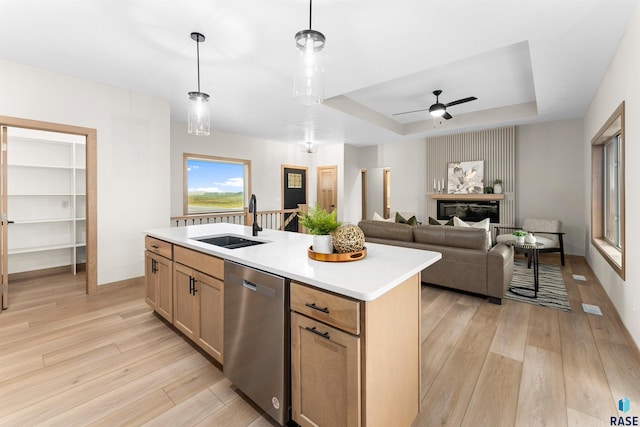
pixel 159 277
pixel 199 300
pixel 355 363
pixel 325 374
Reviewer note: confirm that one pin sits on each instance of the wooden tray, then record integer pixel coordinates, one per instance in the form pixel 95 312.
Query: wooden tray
pixel 337 257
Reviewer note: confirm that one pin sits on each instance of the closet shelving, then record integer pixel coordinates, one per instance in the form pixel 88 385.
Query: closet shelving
pixel 46 200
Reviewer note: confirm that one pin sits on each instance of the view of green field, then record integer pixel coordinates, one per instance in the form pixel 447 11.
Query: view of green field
pixel 215 201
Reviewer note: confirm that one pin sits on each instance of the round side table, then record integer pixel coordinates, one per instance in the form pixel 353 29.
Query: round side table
pixel 532 251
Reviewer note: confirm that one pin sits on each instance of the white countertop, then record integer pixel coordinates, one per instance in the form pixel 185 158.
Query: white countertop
pixel 285 254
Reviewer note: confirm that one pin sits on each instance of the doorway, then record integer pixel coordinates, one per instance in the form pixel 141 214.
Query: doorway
pixel 294 192
pixel 376 192
pixel 328 188
pixel 65 197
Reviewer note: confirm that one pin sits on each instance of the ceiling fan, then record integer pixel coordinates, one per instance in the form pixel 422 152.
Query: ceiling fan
pixel 438 109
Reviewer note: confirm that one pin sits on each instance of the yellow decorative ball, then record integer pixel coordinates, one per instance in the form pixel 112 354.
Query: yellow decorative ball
pixel 348 238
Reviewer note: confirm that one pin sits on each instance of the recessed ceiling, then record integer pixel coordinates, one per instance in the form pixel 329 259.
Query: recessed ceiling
pixel 526 61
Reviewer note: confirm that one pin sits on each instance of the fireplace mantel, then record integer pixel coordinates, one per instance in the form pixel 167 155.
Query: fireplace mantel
pixel 443 196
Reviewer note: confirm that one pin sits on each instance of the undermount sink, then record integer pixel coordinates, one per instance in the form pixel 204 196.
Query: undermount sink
pixel 229 241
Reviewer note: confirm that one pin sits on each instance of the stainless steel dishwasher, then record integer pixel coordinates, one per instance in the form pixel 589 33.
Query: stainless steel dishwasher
pixel 256 337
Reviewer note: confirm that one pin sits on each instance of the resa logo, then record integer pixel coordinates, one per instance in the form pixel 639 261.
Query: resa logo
pixel 624 405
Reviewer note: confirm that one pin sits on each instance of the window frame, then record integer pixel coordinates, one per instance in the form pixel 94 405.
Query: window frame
pixel 214 159
pixel 613 254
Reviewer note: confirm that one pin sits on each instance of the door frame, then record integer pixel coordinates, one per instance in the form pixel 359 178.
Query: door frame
pixel 91 285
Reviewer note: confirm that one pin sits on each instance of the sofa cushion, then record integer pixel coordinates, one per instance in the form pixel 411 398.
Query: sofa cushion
pixel 386 230
pixel 484 224
pixel 457 237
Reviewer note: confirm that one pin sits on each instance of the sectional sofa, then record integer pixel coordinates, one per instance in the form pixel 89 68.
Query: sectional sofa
pixel 468 263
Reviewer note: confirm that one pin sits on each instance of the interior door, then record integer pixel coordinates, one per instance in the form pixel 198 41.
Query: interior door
pixel 328 187
pixel 294 192
pixel 4 221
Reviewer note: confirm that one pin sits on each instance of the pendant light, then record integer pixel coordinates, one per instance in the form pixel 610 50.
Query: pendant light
pixel 309 147
pixel 198 117
pixel 308 79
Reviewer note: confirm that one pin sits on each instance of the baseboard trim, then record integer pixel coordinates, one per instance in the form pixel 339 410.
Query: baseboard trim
pixel 107 287
pixel 32 274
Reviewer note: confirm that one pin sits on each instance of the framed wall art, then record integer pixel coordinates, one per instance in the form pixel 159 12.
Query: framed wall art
pixel 465 177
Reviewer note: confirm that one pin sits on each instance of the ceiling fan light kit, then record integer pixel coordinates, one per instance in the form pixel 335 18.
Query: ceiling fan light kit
pixel 198 103
pixel 308 76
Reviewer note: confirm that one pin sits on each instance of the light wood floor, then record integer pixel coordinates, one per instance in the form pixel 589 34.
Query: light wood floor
pixel 71 359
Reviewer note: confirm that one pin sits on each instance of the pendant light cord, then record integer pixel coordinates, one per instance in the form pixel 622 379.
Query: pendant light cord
pixel 310 11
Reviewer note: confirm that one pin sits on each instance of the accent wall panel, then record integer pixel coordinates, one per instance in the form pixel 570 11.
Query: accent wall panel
pixel 495 146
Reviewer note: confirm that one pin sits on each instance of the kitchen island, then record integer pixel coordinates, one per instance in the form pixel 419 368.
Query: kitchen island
pixel 354 327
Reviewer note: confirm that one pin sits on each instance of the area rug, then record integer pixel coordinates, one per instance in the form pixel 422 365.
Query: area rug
pixel 551 291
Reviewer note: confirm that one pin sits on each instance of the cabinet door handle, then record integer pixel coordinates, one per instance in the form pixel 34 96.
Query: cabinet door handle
pixel 154 266
pixel 315 331
pixel 155 246
pixel 194 287
pixel 315 307
pixel 191 285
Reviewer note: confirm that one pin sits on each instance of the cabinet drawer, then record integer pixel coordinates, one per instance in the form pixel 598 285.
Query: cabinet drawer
pixel 208 264
pixel 341 312
pixel 158 246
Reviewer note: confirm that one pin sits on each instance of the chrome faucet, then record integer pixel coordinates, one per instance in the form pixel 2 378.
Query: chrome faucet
pixel 253 207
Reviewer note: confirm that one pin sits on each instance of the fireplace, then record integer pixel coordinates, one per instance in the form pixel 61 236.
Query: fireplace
pixel 469 210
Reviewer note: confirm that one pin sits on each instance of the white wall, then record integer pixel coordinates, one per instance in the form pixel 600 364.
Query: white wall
pixel 620 83
pixel 550 177
pixel 132 154
pixel 267 158
pixel 407 161
pixel 352 200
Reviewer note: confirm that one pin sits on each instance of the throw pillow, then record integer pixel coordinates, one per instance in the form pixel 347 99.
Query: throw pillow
pixel 377 217
pixel 401 220
pixel 484 224
pixel 433 221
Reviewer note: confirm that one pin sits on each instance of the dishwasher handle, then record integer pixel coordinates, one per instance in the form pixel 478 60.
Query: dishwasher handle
pixel 247 284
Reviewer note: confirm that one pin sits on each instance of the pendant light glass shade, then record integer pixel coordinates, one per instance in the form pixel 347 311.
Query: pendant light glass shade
pixel 198 104
pixel 309 147
pixel 198 111
pixel 308 79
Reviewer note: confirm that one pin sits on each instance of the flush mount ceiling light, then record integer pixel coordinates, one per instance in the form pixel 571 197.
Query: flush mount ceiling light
pixel 198 110
pixel 308 79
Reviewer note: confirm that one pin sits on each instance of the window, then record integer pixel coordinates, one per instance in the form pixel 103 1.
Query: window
pixel 607 192
pixel 215 184
pixel 611 194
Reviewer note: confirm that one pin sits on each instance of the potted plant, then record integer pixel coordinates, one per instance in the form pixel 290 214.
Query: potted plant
pixel 497 186
pixel 320 223
pixel 519 235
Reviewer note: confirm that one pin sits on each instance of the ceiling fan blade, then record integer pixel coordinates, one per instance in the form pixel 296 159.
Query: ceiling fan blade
pixel 407 112
pixel 447 116
pixel 461 101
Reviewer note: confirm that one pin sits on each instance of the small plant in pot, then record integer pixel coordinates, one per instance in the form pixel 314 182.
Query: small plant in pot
pixel 320 223
pixel 519 235
pixel 497 186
